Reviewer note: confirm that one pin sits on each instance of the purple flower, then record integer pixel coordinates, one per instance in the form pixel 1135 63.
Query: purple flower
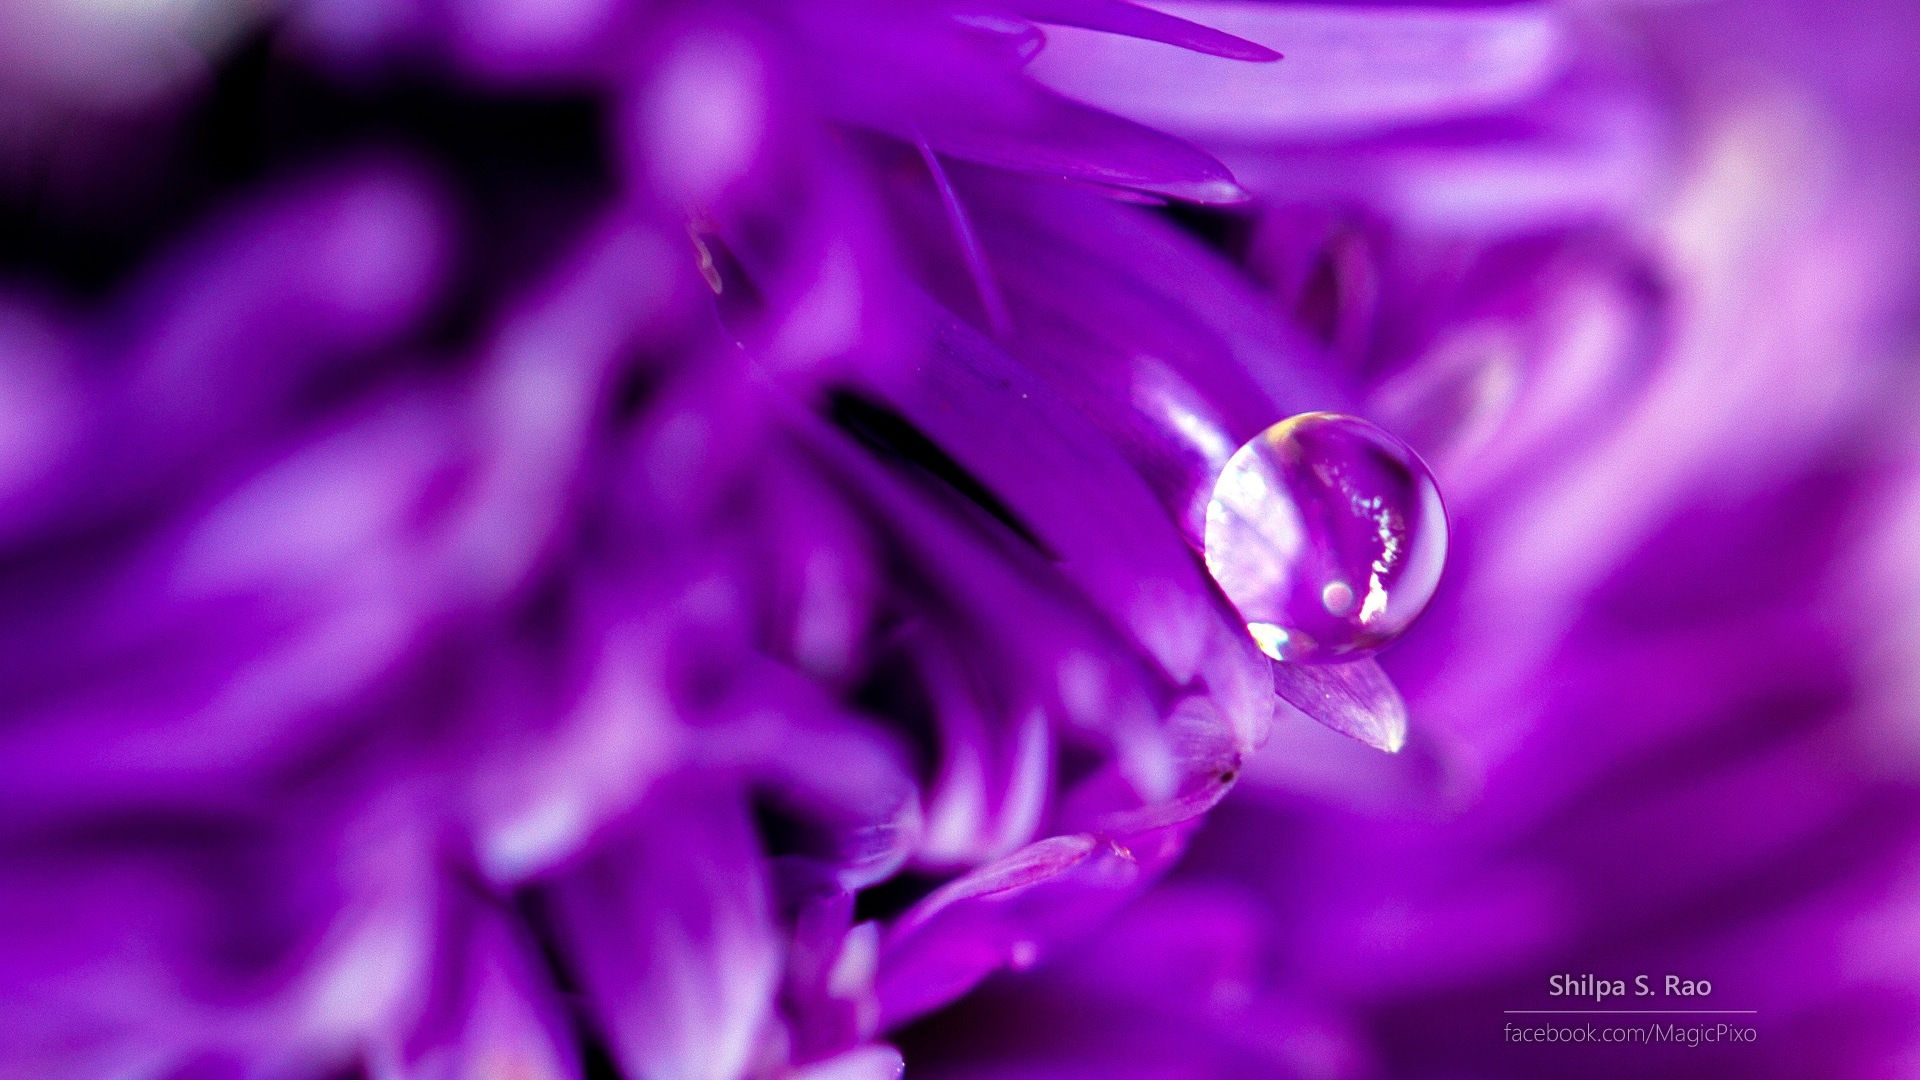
pixel 1651 713
pixel 580 539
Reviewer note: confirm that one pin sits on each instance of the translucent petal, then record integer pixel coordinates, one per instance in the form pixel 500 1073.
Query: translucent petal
pixel 1013 913
pixel 1354 699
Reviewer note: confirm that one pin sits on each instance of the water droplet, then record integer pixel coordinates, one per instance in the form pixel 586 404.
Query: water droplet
pixel 1328 535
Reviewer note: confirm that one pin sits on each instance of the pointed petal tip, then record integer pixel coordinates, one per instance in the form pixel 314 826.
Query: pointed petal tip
pixel 1251 52
pixel 1229 47
pixel 1218 192
pixel 1129 19
pixel 1356 699
pixel 1396 740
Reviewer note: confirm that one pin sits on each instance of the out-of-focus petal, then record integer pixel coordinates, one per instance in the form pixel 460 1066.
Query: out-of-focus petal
pixel 879 1062
pixel 494 1012
pixel 670 931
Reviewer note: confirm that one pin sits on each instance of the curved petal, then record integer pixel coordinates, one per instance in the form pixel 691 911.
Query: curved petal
pixel 1350 70
pixel 1356 699
pixel 1140 21
pixel 1012 913
pixel 669 927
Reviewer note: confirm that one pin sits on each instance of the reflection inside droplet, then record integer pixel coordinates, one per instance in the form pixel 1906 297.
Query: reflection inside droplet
pixel 1328 535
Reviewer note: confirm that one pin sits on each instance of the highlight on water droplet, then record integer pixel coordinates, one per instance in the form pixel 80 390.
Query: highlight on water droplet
pixel 1328 535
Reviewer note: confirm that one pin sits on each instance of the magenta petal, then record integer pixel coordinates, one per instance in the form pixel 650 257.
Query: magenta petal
pixel 988 795
pixel 1174 361
pixel 972 927
pixel 50 416
pixel 1139 21
pixel 1011 622
pixel 534 400
pixel 826 587
pixel 1350 69
pixel 1356 699
pixel 1102 804
pixel 976 104
pixel 1011 913
pixel 1050 135
pixel 669 927
pixel 207 930
pixel 866 809
pixel 494 1012
pixel 827 993
pixel 878 1062
pixel 1113 539
pixel 220 652
pixel 212 345
pixel 541 795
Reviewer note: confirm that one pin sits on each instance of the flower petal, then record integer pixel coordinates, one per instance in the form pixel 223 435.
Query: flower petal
pixel 1115 541
pixel 1011 913
pixel 1139 21
pixel 1356 699
pixel 1053 136
pixel 880 1062
pixel 1350 70
pixel 494 1013
pixel 997 634
pixel 669 928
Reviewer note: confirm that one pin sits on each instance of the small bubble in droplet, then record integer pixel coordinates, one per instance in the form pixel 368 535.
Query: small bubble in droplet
pixel 1328 535
pixel 1337 597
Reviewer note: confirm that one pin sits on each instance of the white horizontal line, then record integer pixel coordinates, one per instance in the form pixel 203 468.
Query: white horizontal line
pixel 1631 1012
